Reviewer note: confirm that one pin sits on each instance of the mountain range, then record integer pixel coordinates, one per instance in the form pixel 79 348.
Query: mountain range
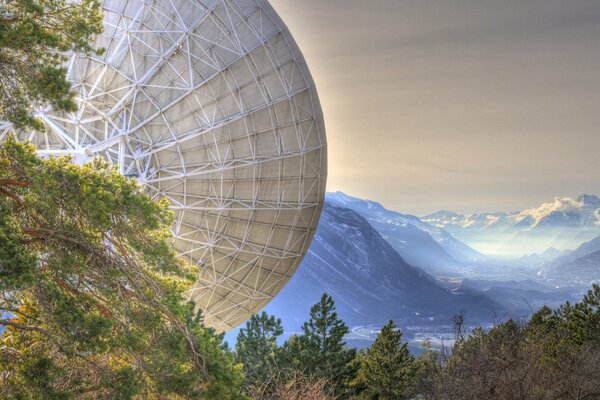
pixel 419 243
pixel 380 264
pixel 562 224
pixel 370 282
pixel 580 266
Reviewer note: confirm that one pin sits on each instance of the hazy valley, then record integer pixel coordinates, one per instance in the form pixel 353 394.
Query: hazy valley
pixel 379 264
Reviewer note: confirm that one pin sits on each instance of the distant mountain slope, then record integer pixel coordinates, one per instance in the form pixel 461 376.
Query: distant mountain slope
pixel 419 243
pixel 582 265
pixel 551 254
pixel 582 251
pixel 536 260
pixel 584 270
pixel 519 296
pixel 564 223
pixel 368 279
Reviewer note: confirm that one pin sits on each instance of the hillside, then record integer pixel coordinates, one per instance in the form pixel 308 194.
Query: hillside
pixel 369 280
pixel 420 244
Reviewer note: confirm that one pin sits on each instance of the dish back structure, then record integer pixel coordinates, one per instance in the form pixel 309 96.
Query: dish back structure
pixel 210 104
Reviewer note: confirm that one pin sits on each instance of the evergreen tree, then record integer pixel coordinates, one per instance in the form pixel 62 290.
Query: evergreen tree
pixel 387 370
pixel 34 36
pixel 257 350
pixel 91 292
pixel 296 355
pixel 554 355
pixel 321 350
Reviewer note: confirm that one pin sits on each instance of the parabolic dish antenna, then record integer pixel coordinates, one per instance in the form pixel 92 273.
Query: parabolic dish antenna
pixel 210 104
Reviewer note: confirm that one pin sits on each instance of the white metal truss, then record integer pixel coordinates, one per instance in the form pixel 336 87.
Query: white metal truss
pixel 210 104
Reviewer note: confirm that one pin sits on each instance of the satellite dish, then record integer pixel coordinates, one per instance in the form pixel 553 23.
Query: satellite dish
pixel 210 104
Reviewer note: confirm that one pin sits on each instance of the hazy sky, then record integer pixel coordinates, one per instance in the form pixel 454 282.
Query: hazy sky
pixel 468 105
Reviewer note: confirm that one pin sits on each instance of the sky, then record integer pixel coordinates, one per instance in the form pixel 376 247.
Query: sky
pixel 465 105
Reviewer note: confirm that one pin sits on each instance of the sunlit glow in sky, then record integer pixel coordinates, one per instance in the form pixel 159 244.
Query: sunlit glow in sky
pixel 467 105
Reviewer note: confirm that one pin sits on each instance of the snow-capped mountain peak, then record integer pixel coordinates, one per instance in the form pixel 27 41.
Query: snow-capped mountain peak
pixel 560 208
pixel 417 242
pixel 342 198
pixel 589 200
pixel 563 223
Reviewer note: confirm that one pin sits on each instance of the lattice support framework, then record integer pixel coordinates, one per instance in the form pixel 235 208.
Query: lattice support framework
pixel 210 104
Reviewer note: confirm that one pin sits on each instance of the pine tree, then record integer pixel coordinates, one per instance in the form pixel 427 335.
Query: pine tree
pixel 91 292
pixel 257 350
pixel 321 350
pixel 553 355
pixel 34 36
pixel 387 370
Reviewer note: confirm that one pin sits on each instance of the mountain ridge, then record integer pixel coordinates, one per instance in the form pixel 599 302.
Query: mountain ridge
pixel 563 223
pixel 419 243
pixel 368 279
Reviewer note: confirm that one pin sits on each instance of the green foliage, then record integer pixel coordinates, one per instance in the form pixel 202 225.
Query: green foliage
pixel 34 36
pixel 93 291
pixel 321 350
pixel 257 350
pixel 554 355
pixel 387 370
